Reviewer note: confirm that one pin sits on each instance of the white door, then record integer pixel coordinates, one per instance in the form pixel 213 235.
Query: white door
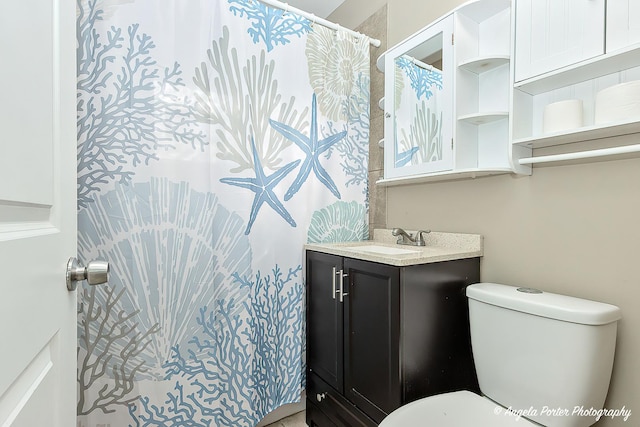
pixel 623 24
pixel 551 34
pixel 37 213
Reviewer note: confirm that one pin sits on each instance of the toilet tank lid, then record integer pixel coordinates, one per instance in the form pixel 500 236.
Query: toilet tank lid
pixel 545 304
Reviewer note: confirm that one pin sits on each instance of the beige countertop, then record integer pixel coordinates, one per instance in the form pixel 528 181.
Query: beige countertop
pixel 384 249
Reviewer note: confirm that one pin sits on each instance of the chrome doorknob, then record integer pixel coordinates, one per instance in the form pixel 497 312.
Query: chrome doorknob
pixel 95 273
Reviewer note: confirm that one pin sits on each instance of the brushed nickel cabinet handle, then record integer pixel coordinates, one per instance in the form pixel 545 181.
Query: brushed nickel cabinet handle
pixel 342 293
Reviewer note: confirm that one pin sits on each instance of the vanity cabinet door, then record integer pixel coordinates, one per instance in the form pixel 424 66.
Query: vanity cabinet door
pixel 551 34
pixel 324 319
pixel 372 371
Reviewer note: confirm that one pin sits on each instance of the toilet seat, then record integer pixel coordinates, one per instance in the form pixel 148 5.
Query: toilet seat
pixel 456 409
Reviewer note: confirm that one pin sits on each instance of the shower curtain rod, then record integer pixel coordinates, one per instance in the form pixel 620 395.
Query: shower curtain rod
pixel 419 63
pixel 313 18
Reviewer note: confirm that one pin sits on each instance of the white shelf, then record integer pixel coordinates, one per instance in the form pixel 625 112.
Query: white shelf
pixel 599 66
pixel 586 133
pixel 485 63
pixel 483 118
pixel 442 176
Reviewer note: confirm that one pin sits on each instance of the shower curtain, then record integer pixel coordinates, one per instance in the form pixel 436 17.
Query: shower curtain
pixel 215 138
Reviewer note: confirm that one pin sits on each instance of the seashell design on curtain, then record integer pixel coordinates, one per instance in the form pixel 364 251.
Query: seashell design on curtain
pixel 215 138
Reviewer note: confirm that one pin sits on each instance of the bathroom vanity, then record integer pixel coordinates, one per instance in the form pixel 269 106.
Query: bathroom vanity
pixel 386 325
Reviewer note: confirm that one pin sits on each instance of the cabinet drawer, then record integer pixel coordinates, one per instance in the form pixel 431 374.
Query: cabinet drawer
pixel 334 407
pixel 315 417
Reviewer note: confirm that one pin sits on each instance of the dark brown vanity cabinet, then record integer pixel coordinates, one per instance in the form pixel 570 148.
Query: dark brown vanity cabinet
pixel 380 336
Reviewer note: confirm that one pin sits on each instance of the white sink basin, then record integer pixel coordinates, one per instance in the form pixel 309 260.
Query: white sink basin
pixel 382 250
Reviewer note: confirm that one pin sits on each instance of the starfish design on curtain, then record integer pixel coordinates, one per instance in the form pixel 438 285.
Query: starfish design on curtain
pixel 312 147
pixel 263 186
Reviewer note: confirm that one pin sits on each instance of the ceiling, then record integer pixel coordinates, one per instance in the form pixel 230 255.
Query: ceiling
pixel 321 8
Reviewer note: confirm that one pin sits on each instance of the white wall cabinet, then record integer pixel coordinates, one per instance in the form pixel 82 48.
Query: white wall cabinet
pixel 501 63
pixel 580 78
pixel 551 34
pixel 475 65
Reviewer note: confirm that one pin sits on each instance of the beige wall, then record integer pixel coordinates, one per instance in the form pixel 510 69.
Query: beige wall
pixel 352 13
pixel 569 229
pixel 572 229
pixel 408 16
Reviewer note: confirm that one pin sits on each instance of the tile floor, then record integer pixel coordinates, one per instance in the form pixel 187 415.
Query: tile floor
pixel 295 420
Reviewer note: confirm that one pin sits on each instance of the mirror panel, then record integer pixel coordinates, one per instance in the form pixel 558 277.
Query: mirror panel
pixel 420 104
pixel 418 115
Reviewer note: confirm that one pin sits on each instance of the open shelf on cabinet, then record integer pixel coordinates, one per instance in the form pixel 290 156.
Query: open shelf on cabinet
pixel 582 81
pixel 484 118
pixel 482 46
pixel 586 133
pixel 485 63
pixel 593 140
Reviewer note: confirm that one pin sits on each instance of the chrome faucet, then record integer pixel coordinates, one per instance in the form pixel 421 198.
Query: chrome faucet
pixel 405 238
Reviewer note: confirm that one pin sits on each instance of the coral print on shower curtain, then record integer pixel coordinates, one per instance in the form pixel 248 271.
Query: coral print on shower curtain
pixel 215 138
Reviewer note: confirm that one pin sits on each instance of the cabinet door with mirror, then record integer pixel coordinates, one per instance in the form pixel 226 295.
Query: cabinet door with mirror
pixel 418 103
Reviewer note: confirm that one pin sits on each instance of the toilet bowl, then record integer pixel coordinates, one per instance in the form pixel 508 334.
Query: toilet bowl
pixel 533 351
pixel 456 409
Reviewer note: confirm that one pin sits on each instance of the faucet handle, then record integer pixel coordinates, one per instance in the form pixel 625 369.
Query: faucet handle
pixel 402 235
pixel 419 238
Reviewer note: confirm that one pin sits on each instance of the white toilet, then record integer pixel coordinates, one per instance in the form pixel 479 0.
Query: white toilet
pixel 541 359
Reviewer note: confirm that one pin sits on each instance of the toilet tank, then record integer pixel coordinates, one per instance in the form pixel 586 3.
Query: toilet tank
pixel 547 355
